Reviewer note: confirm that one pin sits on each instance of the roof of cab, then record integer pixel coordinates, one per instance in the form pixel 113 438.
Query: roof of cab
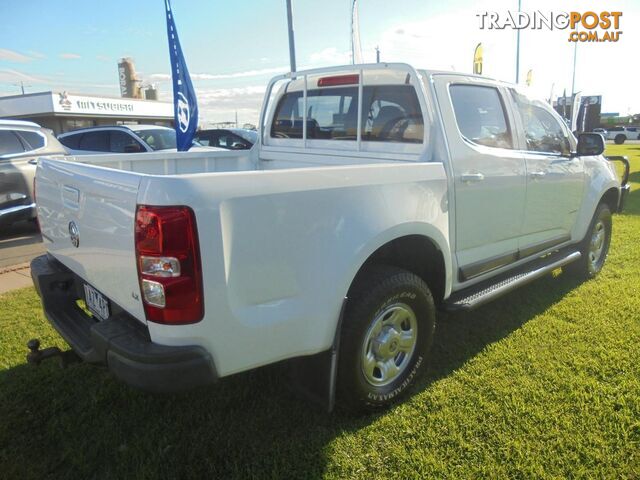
pixel 18 123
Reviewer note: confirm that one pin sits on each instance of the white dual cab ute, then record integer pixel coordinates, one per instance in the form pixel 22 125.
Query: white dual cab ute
pixel 375 195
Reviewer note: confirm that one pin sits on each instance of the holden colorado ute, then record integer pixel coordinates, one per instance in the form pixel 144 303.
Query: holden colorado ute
pixel 375 196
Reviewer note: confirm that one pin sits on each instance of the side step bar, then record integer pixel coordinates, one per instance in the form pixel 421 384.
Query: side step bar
pixel 477 295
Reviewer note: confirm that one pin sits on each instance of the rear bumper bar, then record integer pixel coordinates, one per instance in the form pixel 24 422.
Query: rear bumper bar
pixel 121 342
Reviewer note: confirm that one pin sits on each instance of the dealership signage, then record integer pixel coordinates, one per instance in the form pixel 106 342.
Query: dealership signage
pixel 67 103
pixel 63 103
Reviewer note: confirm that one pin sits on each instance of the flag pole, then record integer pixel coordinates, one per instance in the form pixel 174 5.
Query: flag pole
pixel 518 46
pixel 573 81
pixel 292 45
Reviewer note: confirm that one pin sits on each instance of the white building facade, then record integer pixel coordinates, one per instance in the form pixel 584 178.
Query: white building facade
pixel 62 111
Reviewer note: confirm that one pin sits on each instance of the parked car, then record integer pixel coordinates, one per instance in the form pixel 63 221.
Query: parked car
pixel 231 139
pixel 121 139
pixel 621 134
pixel 601 131
pixel 21 143
pixel 376 195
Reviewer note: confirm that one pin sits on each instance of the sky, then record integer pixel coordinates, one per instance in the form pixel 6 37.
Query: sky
pixel 233 48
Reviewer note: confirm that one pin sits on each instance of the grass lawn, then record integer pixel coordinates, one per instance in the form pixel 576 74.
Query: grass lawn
pixel 542 383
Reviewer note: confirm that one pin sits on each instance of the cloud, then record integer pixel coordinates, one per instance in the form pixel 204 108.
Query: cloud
pixel 10 76
pixel 223 76
pixel 36 54
pixel 12 56
pixel 69 56
pixel 221 104
pixel 433 43
pixel 330 56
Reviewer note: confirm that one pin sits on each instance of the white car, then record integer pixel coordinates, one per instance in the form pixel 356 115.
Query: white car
pixel 123 139
pixel 332 242
pixel 621 134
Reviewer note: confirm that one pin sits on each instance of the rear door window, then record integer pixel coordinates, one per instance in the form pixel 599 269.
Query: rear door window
pixel 120 140
pixel 95 141
pixel 480 115
pixel 10 143
pixel 71 141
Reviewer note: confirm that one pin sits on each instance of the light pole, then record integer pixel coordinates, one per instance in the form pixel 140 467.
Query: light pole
pixel 292 45
pixel 518 46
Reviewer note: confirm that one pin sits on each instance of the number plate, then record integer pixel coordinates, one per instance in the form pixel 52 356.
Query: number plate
pixel 96 302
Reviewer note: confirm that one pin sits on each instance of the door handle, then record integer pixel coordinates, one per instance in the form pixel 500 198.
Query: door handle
pixel 472 177
pixel 536 175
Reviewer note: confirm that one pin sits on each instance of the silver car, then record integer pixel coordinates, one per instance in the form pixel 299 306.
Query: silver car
pixel 21 143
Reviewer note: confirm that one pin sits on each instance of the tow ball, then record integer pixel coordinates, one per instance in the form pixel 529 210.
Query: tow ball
pixel 35 355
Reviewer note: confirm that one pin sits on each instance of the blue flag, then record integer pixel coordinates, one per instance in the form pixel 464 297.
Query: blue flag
pixel 185 106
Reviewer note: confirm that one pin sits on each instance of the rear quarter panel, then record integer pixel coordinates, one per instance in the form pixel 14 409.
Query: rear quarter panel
pixel 280 249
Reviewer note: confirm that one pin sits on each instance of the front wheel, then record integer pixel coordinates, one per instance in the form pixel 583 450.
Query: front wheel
pixel 595 246
pixel 387 332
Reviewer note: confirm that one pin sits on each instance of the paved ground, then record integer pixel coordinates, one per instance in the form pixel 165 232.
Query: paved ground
pixel 18 276
pixel 19 243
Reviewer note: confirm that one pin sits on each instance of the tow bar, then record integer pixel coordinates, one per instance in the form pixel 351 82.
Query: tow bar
pixel 35 355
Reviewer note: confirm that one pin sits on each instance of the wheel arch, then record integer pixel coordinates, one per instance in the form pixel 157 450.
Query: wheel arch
pixel 611 198
pixel 424 253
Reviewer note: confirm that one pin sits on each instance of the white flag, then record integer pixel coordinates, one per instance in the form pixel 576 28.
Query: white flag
pixel 575 108
pixel 356 49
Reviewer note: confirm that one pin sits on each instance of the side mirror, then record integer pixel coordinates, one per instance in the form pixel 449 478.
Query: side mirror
pixel 133 148
pixel 590 144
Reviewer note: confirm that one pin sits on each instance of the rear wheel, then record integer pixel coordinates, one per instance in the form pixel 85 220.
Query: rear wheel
pixel 619 140
pixel 387 332
pixel 595 246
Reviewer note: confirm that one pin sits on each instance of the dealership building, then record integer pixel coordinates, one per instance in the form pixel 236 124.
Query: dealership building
pixel 62 111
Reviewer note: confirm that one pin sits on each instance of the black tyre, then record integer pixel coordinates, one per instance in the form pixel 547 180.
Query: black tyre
pixel 386 335
pixel 620 139
pixel 595 246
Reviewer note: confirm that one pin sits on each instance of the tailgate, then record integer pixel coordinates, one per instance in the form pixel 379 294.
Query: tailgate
pixel 86 216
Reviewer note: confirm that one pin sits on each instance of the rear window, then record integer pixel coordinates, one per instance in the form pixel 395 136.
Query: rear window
pixel 390 113
pixel 9 143
pixel 331 114
pixel 32 140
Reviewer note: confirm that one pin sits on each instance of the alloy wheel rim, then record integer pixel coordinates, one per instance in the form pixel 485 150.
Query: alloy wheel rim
pixel 389 344
pixel 597 244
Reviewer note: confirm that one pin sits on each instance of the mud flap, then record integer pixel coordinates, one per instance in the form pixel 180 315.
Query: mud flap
pixel 314 376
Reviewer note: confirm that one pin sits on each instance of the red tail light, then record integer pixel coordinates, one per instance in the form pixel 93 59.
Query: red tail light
pixel 339 80
pixel 169 264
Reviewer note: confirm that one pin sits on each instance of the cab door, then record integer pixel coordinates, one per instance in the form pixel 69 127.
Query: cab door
pixel 488 174
pixel 555 177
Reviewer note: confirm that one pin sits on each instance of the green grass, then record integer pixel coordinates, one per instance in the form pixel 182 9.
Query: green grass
pixel 544 383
